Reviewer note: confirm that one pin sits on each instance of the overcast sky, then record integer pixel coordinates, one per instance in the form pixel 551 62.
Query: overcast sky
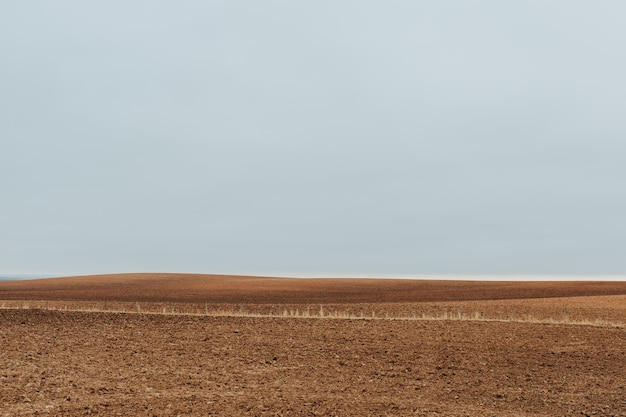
pixel 313 137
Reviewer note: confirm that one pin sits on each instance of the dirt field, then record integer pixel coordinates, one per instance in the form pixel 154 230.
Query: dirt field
pixel 262 290
pixel 563 356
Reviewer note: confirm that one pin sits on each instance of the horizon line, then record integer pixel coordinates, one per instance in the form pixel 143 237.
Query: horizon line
pixel 420 276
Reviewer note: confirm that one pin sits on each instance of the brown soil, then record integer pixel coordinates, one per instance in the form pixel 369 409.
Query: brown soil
pixel 105 363
pixel 264 290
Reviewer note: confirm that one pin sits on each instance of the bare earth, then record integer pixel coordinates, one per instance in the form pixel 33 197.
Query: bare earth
pixel 380 348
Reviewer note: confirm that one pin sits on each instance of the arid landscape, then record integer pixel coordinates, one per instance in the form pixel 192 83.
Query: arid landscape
pixel 199 345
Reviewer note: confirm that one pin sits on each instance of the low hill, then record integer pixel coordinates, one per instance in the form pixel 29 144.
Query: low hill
pixel 204 288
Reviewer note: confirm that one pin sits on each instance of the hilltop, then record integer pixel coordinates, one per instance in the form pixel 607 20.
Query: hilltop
pixel 173 287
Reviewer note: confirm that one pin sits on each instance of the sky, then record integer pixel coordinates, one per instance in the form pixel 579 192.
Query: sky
pixel 313 138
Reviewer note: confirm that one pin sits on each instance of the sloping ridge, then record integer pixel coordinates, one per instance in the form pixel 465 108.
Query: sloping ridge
pixel 207 288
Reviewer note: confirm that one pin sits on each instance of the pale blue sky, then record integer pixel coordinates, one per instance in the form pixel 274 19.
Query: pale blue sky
pixel 320 137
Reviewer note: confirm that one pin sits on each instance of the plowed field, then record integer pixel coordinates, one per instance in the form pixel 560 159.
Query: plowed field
pixel 477 356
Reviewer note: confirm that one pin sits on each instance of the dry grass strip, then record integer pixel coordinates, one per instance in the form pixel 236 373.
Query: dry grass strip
pixel 293 313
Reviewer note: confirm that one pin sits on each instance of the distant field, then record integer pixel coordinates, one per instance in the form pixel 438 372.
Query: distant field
pixel 264 290
pixel 198 345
